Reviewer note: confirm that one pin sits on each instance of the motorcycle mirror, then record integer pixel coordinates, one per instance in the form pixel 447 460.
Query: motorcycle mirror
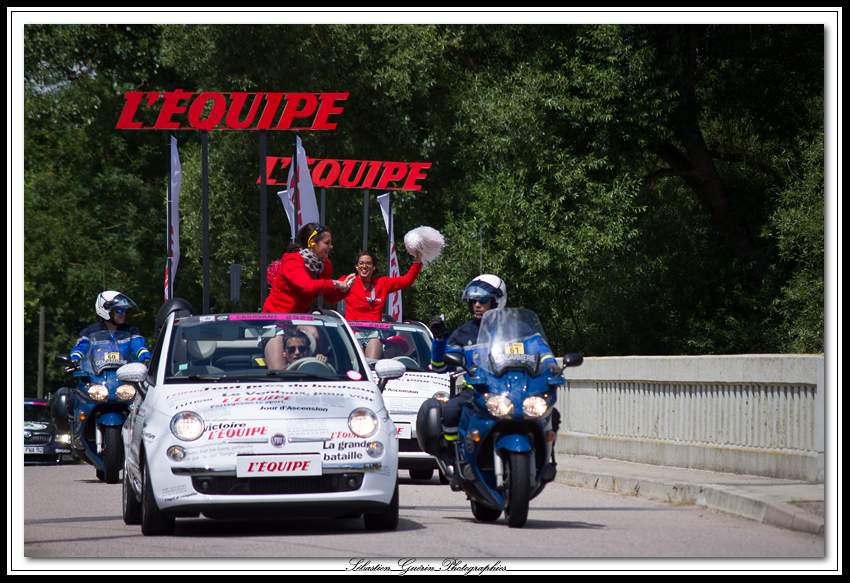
pixel 573 359
pixel 454 359
pixel 63 359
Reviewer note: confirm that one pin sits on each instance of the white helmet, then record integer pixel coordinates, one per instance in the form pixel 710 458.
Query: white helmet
pixel 108 301
pixel 485 287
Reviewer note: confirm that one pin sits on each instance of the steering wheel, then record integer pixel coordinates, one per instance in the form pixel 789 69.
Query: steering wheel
pixel 310 360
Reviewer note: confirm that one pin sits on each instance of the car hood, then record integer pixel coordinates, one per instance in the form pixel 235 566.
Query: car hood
pixel 282 400
pixel 405 394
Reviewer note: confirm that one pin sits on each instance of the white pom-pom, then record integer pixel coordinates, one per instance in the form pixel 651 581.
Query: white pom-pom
pixel 427 241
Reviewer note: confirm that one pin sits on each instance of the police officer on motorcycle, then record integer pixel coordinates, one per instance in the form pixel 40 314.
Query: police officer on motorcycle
pixel 112 308
pixel 484 293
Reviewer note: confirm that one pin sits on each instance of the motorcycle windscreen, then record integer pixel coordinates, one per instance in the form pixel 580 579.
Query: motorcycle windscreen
pixel 107 350
pixel 511 338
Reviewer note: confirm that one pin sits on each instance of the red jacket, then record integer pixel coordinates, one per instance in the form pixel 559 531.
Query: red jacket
pixel 357 307
pixel 294 288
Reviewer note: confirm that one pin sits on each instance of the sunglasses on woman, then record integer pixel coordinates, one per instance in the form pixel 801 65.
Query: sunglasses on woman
pixel 292 349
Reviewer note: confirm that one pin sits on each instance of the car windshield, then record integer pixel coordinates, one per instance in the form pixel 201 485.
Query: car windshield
pixel 233 347
pixel 407 343
pixel 510 338
pixel 37 412
pixel 107 350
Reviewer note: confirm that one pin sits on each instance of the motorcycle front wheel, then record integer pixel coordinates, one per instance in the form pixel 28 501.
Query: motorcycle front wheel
pixel 113 454
pixel 517 488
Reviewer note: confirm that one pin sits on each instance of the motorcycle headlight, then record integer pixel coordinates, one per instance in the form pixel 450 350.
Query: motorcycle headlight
pixel 98 392
pixel 125 392
pixel 534 406
pixel 187 426
pixel 363 423
pixel 442 396
pixel 500 405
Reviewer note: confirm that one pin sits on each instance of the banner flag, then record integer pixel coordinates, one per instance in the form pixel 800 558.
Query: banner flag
pixel 394 299
pixel 308 210
pixel 176 178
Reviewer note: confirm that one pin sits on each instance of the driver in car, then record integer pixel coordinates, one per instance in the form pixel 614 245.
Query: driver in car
pixel 296 346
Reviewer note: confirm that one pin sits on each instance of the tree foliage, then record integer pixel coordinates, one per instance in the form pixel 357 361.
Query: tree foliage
pixel 645 189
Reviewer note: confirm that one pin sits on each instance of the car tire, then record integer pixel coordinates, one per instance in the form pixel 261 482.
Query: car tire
pixel 131 508
pixel 113 454
pixel 387 519
pixel 154 522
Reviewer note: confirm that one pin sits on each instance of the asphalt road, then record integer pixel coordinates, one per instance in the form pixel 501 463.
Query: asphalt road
pixel 68 513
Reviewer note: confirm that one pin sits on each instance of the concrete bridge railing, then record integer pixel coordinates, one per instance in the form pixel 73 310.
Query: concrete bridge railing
pixel 745 414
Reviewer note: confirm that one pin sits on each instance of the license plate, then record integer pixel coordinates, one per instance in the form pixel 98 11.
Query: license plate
pixel 31 449
pixel 403 430
pixel 263 466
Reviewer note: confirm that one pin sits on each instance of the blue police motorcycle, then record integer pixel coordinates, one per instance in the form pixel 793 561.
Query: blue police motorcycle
pixel 504 452
pixel 100 403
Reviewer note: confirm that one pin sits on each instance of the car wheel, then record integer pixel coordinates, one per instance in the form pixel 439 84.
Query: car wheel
pixel 387 519
pixel 154 522
pixel 113 454
pixel 132 510
pixel 421 474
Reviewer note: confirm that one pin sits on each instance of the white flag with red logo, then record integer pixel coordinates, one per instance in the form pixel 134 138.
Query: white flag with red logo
pixel 308 210
pixel 176 177
pixel 394 299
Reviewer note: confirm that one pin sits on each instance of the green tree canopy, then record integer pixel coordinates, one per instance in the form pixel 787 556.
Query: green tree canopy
pixel 647 189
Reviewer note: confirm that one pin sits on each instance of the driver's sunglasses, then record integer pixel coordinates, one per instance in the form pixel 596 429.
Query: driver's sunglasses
pixel 119 310
pixel 292 349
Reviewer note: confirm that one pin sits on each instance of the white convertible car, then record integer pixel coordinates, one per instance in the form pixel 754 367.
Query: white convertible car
pixel 408 342
pixel 215 431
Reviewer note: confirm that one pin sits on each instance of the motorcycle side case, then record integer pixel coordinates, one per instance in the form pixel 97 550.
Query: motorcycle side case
pixel 59 410
pixel 429 426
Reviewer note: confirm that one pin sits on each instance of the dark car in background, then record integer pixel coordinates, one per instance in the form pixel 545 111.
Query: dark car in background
pixel 42 443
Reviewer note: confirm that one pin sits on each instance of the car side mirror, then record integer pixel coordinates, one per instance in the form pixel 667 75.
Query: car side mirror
pixel 135 372
pixel 388 369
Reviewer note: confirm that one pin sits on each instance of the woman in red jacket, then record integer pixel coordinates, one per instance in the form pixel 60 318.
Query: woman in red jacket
pixel 368 295
pixel 304 272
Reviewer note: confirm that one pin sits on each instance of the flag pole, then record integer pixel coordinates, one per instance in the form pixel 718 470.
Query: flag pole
pixel 297 178
pixel 263 234
pixel 365 219
pixel 389 242
pixel 170 289
pixel 206 217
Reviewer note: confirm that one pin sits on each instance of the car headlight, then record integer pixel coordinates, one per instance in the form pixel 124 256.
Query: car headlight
pixel 63 438
pixel 98 392
pixel 534 406
pixel 125 392
pixel 442 396
pixel 187 426
pixel 363 423
pixel 500 405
